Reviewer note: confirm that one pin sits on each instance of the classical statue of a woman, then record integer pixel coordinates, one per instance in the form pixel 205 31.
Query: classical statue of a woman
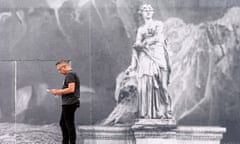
pixel 141 90
pixel 150 62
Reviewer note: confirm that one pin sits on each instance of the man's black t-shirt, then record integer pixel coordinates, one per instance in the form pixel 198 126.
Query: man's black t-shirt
pixel 71 98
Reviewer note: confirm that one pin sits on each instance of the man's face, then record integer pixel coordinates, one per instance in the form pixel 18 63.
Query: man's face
pixel 62 68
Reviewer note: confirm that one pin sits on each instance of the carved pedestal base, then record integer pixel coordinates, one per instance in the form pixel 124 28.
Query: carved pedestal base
pixel 199 134
pixel 105 135
pixel 154 131
pixel 155 123
pixel 149 134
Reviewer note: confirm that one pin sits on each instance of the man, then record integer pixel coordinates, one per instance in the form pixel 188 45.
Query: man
pixel 70 93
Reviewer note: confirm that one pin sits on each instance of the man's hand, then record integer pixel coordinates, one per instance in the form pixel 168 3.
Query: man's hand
pixel 55 92
pixel 68 90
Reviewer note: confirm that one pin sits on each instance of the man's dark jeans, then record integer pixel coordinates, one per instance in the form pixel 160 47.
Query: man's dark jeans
pixel 67 123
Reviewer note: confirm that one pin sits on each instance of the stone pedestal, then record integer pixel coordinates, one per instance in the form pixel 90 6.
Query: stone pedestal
pixel 150 135
pixel 154 136
pixel 199 135
pixel 151 131
pixel 105 135
pixel 155 123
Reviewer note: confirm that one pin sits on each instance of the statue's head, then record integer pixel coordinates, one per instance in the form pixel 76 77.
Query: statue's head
pixel 146 10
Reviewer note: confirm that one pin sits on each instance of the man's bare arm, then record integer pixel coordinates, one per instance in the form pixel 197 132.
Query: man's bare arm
pixel 68 90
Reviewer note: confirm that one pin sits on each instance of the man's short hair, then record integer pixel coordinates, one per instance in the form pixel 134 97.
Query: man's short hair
pixel 63 61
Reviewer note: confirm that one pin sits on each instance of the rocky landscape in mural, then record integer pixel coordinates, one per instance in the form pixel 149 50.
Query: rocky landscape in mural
pixel 97 36
pixel 23 133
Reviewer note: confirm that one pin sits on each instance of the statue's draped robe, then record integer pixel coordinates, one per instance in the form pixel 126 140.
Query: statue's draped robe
pixel 150 63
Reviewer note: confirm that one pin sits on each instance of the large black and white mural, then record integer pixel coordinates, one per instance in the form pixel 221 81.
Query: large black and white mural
pixel 97 36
